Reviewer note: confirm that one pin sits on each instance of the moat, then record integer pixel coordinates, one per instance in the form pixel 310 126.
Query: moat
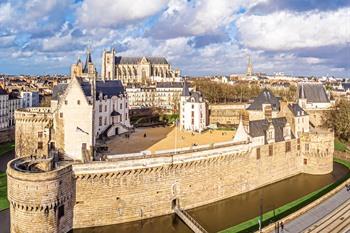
pixel 224 214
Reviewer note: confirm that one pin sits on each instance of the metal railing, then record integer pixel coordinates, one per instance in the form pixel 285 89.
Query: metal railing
pixel 183 214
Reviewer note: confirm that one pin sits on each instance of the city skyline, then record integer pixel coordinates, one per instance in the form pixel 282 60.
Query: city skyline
pixel 199 37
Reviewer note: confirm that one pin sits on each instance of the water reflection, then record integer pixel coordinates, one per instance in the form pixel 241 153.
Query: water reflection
pixel 224 214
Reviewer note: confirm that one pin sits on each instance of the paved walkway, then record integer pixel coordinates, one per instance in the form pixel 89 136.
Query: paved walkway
pixel 316 214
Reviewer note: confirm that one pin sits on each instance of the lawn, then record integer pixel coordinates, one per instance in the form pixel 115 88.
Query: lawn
pixel 6 147
pixel 340 146
pixel 281 212
pixel 4 204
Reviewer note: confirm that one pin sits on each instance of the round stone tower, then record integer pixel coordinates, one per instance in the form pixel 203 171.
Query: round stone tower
pixel 41 197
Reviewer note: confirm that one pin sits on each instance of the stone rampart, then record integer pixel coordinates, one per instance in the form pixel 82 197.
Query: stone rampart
pixel 111 192
pixel 40 201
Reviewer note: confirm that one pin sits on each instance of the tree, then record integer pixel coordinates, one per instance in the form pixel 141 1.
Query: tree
pixel 339 119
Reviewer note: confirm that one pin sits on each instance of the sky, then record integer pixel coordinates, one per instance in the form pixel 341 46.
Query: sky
pixel 203 37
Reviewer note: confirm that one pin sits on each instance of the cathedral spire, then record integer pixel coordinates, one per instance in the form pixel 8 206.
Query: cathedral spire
pixel 250 67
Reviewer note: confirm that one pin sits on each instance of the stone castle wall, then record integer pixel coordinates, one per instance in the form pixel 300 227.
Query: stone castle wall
pixel 32 127
pixel 317 149
pixel 112 192
pixel 40 202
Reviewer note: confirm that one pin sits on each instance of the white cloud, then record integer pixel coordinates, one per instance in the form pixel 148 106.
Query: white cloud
pixel 106 13
pixel 290 30
pixel 185 18
pixel 5 12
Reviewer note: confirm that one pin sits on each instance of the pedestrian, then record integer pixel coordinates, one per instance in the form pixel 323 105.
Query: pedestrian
pixel 282 226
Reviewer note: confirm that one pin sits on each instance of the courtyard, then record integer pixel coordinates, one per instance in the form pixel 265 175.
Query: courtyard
pixel 164 138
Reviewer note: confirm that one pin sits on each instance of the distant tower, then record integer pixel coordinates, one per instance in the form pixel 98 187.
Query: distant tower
pixel 250 67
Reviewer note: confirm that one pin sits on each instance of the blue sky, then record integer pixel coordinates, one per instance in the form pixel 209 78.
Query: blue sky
pixel 299 37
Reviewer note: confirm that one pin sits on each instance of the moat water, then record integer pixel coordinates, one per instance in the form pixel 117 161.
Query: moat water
pixel 232 211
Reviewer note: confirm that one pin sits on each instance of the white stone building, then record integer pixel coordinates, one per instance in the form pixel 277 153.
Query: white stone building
pixel 193 111
pixel 30 99
pixel 4 97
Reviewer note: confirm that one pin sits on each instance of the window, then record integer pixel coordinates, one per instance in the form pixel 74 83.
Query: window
pixel 100 121
pixel 40 145
pixel 306 147
pixel 105 108
pixel 60 211
pixel 61 114
pixel 66 102
pixel 288 146
pixel 192 113
pixel 100 108
pixel 257 153
pixel 121 105
pixel 78 102
pixel 126 105
pixel 126 116
pixel 105 120
pixel 305 161
pixel 192 106
pixel 40 134
pixel 270 150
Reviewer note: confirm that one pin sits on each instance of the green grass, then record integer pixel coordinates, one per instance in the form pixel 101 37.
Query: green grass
pixel 4 204
pixel 6 147
pixel 289 208
pixel 339 146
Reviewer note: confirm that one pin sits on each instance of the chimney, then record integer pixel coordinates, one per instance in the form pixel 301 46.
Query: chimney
pixel 268 112
pixel 245 120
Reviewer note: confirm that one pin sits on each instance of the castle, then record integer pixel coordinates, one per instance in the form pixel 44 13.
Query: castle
pixel 55 183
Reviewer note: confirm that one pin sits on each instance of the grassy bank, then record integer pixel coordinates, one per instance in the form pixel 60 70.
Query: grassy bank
pixel 289 208
pixel 6 147
pixel 4 204
pixel 340 146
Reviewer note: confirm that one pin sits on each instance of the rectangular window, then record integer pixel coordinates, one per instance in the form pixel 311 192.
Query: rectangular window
pixel 288 146
pixel 40 145
pixel 257 153
pixel 105 120
pixel 270 150
pixel 305 161
pixel 100 108
pixel 40 134
pixel 121 105
pixel 66 102
pixel 60 211
pixel 78 102
pixel 61 114
pixel 100 121
pixel 126 116
pixel 105 108
pixel 306 147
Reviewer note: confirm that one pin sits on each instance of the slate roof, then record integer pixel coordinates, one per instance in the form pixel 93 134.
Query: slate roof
pixel 196 95
pixel 313 92
pixel 88 60
pixel 185 90
pixel 136 60
pixel 114 113
pixel 346 86
pixel 2 92
pixel 258 128
pixel 265 97
pixel 169 85
pixel 297 110
pixel 58 90
pixel 109 88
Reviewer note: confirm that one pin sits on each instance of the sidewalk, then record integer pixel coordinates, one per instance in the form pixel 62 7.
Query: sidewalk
pixel 302 222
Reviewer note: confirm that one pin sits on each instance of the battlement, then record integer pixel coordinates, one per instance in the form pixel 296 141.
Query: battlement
pixel 34 114
pixel 41 196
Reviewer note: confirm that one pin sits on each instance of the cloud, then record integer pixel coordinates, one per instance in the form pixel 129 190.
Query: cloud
pixel 110 14
pixel 191 18
pixel 290 30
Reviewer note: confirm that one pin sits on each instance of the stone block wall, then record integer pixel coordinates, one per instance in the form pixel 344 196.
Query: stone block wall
pixel 111 192
pixel 317 149
pixel 32 127
pixel 40 202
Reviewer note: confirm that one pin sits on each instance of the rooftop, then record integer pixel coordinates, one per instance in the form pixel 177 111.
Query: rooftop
pixel 313 92
pixel 265 97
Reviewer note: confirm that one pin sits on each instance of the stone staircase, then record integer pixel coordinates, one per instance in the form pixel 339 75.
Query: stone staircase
pixel 189 221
